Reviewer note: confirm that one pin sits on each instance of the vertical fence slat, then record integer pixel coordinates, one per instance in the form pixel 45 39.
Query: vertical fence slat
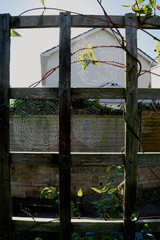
pixel 5 192
pixel 64 126
pixel 131 127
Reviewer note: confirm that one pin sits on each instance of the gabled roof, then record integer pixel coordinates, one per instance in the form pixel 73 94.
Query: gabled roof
pixel 49 52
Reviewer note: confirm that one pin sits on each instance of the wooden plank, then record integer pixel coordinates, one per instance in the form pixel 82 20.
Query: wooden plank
pixel 80 225
pixel 5 191
pixel 82 159
pixel 148 158
pixel 103 93
pixel 77 21
pixel 65 126
pixel 50 93
pixel 149 93
pixel 52 21
pixel 152 22
pixel 33 21
pixel 38 158
pixel 131 116
pixel 98 21
pixel 33 93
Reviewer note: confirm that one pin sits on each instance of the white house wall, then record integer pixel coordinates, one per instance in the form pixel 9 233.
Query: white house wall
pixel 94 76
pixel 155 77
pixel 145 79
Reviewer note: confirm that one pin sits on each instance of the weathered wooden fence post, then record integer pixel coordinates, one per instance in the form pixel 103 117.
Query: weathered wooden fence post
pixel 131 115
pixel 5 191
pixel 64 127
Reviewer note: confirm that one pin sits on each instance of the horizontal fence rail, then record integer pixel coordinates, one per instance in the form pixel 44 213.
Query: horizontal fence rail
pixel 105 93
pixel 81 159
pixel 81 20
pixel 80 225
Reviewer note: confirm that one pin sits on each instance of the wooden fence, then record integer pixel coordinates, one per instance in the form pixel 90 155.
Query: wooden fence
pixel 65 159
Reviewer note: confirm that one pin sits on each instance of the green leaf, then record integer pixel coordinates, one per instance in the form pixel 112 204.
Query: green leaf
pixel 75 236
pixel 96 190
pixel 139 10
pixel 158 58
pixel 85 66
pixel 134 216
pixel 49 193
pixel 88 57
pixel 146 228
pixel 42 1
pixel 127 5
pixel 72 205
pixel 158 47
pixel 105 188
pixel 153 3
pixel 108 169
pixel 112 190
pixel 139 1
pixel 15 34
pixel 80 193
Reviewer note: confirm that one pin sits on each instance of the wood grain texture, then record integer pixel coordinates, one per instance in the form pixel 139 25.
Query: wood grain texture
pixel 104 93
pixel 33 93
pixel 54 21
pixel 83 21
pixel 131 116
pixel 82 159
pixel 5 192
pixel 65 126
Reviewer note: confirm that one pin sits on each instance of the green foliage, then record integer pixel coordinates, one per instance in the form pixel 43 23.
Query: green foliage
pixel 49 193
pixel 15 24
pixel 42 1
pixel 151 106
pixel 134 216
pixel 96 236
pixel 79 106
pixel 74 210
pixel 80 193
pixel 143 7
pixel 43 107
pixel 75 236
pixel 52 193
pixel 34 107
pixel 147 232
pixel 103 190
pixel 14 33
pixel 109 205
pixel 158 50
pixel 86 106
pixel 88 57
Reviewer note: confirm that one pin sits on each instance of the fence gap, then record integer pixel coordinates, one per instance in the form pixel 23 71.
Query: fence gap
pixel 131 117
pixel 5 191
pixel 65 126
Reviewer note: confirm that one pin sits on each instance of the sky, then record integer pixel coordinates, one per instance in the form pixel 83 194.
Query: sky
pixel 26 50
